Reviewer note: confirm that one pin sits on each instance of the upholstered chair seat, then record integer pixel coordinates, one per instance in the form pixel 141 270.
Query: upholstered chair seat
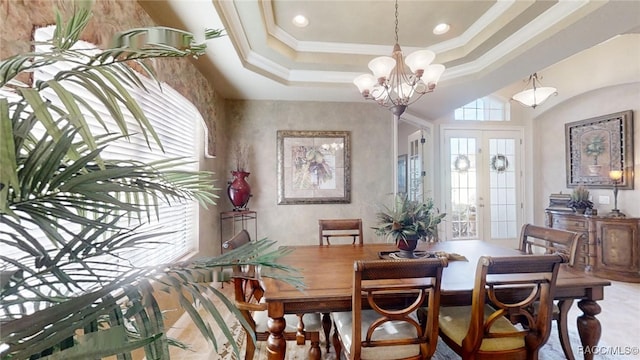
pixel 454 323
pixel 394 330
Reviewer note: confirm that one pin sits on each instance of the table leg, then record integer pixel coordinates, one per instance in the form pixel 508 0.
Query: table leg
pixel 276 344
pixel 563 331
pixel 326 326
pixel 589 327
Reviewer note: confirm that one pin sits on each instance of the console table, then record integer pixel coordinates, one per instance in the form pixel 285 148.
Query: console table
pixel 609 248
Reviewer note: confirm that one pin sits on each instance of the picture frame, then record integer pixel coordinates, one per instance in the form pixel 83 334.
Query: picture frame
pixel 598 145
pixel 402 173
pixel 314 167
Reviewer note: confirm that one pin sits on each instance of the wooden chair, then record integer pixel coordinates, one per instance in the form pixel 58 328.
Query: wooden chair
pixel 552 241
pixel 340 228
pixel 505 329
pixel 549 240
pixel 337 228
pixel 248 294
pixel 379 329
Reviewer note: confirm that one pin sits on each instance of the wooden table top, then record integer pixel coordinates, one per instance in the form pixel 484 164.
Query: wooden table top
pixel 327 272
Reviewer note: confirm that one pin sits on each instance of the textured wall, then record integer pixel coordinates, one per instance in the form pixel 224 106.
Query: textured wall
pixel 256 123
pixel 551 155
pixel 21 17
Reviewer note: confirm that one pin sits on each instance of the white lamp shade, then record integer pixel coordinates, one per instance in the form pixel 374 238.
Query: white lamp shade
pixel 615 175
pixel 365 82
pixel 382 66
pixel 379 94
pixel 432 74
pixel 534 97
pixel 419 60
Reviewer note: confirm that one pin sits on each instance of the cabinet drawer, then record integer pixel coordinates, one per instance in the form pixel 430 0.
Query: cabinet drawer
pixel 582 252
pixel 570 224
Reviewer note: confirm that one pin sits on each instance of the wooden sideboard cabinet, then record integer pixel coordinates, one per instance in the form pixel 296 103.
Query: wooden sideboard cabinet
pixel 609 248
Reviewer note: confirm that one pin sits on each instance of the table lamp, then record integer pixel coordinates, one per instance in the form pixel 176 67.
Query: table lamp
pixel 615 176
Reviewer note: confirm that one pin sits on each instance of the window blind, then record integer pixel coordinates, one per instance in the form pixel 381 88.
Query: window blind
pixel 175 120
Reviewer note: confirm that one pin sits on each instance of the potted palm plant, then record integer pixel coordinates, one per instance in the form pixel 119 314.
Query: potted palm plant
pixel 408 221
pixel 54 181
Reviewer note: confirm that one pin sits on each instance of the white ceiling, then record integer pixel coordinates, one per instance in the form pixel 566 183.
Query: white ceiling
pixel 491 44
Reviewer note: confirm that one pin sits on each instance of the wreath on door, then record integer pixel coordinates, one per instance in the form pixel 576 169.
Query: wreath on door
pixel 499 163
pixel 462 163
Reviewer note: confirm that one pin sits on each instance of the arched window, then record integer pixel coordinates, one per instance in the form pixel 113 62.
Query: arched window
pixel 488 108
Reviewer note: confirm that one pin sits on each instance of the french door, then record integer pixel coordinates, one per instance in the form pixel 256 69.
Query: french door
pixel 483 182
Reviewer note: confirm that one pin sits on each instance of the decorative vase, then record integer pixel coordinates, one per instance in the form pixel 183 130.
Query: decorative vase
pixel 595 170
pixel 239 190
pixel 406 247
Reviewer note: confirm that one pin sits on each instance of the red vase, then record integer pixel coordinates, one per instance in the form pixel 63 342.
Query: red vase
pixel 406 247
pixel 239 190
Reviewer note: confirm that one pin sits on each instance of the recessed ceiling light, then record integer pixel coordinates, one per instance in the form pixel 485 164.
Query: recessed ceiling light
pixel 441 29
pixel 300 21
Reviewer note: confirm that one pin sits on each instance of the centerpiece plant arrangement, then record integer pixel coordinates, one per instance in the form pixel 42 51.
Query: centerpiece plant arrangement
pixel 407 221
pixel 55 185
pixel 579 200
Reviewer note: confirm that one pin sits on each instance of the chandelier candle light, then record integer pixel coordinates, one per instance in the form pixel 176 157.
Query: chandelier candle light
pixel 536 95
pixel 615 176
pixel 392 85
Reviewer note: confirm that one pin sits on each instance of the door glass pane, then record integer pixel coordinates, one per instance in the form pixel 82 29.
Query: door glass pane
pixel 502 187
pixel 463 219
pixel 415 171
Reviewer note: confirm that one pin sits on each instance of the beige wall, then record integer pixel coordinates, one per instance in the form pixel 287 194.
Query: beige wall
pixel 550 155
pixel 256 123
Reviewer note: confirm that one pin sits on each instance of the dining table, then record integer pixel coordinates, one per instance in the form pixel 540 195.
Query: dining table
pixel 327 273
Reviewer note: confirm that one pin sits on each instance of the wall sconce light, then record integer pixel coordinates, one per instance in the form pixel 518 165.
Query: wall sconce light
pixel 615 176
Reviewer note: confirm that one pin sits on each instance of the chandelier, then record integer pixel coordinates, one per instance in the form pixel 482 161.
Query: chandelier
pixel 392 84
pixel 536 95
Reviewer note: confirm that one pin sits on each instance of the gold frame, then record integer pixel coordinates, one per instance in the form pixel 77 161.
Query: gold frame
pixel 304 180
pixel 597 145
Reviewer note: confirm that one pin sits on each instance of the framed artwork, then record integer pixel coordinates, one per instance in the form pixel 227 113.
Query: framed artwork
pixel 402 174
pixel 314 167
pixel 598 145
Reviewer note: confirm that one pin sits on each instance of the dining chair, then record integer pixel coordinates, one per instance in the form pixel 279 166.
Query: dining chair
pixel 384 322
pixel 248 295
pixel 340 228
pixel 497 327
pixel 535 239
pixel 549 241
pixel 337 228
